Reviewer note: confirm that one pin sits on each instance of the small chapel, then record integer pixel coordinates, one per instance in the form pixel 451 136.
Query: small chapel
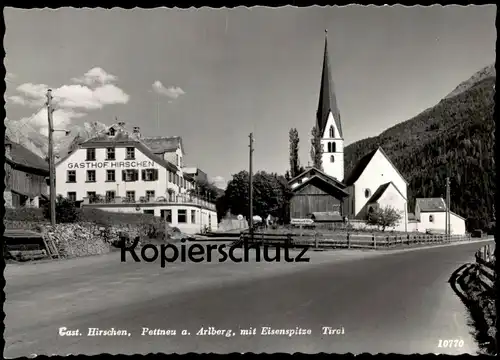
pixel 327 195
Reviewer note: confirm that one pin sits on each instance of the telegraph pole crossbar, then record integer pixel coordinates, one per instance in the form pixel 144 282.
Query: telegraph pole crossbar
pixel 52 175
pixel 250 185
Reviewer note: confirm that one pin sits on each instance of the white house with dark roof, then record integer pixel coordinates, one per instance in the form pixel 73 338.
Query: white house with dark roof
pixel 430 216
pixel 117 170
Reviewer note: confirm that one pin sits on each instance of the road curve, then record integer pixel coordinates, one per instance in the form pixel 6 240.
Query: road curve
pixel 388 302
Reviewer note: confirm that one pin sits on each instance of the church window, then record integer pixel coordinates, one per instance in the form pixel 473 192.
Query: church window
pixel 332 158
pixel 332 132
pixel 334 147
pixel 368 193
pixel 431 218
pixel 329 147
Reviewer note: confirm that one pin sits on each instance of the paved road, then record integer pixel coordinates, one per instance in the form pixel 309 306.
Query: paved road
pixel 397 302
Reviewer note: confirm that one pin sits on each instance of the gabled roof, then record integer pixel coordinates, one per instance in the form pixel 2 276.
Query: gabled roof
pixel 313 171
pixel 20 156
pixel 327 99
pixel 359 168
pixel 431 204
pixel 162 144
pixel 319 178
pixel 122 139
pixel 381 190
pixel 378 193
pixel 363 163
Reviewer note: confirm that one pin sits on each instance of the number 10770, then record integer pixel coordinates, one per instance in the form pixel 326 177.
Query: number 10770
pixel 450 343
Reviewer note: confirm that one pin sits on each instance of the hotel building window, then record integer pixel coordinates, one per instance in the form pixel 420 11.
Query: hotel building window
pixel 110 196
pixel 149 212
pixel 169 176
pixel 71 176
pixel 90 175
pixel 182 216
pixel 150 195
pixel 130 196
pixel 193 216
pixel 91 196
pixel 130 175
pixel 150 175
pixel 167 215
pixel 90 154
pixel 130 153
pixel 110 154
pixel 110 176
pixel 71 196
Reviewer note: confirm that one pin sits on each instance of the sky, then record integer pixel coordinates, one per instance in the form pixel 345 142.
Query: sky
pixel 212 76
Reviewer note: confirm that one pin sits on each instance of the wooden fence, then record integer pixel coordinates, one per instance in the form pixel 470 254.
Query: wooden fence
pixel 485 265
pixel 346 240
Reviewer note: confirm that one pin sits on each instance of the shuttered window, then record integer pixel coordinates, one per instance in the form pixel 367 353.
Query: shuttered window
pixel 130 175
pixel 149 174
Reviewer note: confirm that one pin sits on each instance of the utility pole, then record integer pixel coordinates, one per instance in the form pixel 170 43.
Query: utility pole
pixel 52 172
pixel 158 112
pixel 448 227
pixel 250 222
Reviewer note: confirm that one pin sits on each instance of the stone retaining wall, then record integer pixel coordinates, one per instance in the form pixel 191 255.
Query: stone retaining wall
pixel 83 239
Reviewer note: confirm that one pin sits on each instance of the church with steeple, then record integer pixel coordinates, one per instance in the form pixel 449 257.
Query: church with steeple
pixel 327 195
pixel 328 123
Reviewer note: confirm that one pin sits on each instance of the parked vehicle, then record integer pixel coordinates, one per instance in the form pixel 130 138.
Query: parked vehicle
pixel 477 233
pixel 178 235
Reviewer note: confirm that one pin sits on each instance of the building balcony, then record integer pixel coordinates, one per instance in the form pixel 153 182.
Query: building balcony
pixel 180 199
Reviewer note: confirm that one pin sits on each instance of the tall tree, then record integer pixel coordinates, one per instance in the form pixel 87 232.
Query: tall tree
pixel 294 152
pixel 271 195
pixel 316 148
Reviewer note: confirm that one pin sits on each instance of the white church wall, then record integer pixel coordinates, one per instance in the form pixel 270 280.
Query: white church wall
pixel 378 172
pixel 392 198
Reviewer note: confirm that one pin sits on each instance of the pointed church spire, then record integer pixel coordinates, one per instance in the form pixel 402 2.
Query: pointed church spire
pixel 327 99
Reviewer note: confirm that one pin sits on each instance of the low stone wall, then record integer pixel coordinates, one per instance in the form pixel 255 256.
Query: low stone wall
pixel 83 239
pixel 75 240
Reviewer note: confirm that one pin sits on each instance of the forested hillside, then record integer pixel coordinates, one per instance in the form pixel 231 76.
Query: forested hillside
pixel 455 138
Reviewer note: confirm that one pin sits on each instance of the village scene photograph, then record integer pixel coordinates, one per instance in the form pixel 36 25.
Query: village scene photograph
pixel 250 180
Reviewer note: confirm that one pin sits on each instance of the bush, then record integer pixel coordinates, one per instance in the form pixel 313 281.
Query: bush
pixel 66 211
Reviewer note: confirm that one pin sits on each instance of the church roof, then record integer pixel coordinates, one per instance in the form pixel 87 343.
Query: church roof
pixel 327 99
pixel 359 168
pixel 381 190
pixel 363 163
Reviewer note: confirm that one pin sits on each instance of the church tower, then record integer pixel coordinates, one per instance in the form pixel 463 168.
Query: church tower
pixel 328 122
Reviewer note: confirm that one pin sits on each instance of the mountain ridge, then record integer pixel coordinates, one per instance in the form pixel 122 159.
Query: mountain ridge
pixel 454 138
